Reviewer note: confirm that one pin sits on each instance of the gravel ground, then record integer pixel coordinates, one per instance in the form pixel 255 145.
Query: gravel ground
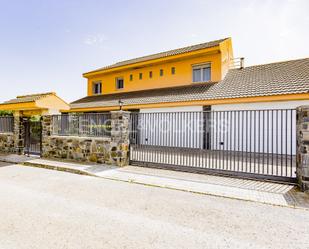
pixel 42 208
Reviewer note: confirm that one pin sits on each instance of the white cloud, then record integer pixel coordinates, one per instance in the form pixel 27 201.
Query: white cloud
pixel 95 39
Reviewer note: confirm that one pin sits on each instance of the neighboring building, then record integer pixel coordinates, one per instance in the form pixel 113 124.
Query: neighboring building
pixel 35 104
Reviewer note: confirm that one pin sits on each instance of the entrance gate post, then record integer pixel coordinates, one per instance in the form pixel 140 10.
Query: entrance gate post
pixel 120 130
pixel 302 160
pixel 19 131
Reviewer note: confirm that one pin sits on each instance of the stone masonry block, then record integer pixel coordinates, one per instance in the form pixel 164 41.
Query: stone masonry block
pixel 302 165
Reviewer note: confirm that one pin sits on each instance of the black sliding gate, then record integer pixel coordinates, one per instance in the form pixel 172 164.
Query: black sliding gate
pixel 251 144
pixel 32 137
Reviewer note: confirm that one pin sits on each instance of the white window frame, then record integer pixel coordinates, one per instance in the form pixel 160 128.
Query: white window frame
pixel 117 86
pixel 201 66
pixel 94 83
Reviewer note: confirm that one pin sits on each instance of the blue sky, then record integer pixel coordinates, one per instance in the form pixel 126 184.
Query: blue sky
pixel 47 45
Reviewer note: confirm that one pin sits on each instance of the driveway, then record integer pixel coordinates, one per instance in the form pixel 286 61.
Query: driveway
pixel 42 208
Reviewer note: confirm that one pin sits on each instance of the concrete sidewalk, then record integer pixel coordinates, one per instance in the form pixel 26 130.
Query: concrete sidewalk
pixel 242 189
pixel 76 168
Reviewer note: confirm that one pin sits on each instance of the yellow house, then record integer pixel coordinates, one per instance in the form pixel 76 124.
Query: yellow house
pixel 192 79
pixel 35 104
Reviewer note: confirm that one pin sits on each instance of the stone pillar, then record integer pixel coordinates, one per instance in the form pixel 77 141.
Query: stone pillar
pixel 120 123
pixel 19 133
pixel 302 159
pixel 46 132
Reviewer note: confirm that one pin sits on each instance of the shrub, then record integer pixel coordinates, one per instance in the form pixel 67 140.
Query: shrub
pixel 5 113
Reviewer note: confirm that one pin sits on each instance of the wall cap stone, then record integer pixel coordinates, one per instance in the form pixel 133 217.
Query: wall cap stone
pixel 302 107
pixel 6 133
pixel 81 137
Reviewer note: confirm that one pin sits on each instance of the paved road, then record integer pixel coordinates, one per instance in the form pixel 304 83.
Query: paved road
pixel 41 208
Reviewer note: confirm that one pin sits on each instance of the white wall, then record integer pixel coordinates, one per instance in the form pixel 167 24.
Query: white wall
pixel 173 109
pixel 272 131
pixel 175 127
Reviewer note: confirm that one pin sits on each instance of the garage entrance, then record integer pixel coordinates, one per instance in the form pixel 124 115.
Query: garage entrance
pixel 252 144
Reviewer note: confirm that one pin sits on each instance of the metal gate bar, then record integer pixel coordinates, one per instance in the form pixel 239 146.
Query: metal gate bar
pixel 255 143
pixel 32 137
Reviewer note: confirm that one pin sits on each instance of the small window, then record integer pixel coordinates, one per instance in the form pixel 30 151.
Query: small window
pixel 140 76
pixel 119 83
pixel 161 72
pixel 202 73
pixel 97 87
pixel 150 74
pixel 173 70
pixel 131 77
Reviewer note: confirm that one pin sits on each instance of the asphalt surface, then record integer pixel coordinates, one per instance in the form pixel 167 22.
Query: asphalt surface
pixel 42 208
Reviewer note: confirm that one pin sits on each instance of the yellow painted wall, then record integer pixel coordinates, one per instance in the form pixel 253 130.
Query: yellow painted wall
pixel 52 102
pixel 226 56
pixel 183 75
pixel 18 106
pixel 183 64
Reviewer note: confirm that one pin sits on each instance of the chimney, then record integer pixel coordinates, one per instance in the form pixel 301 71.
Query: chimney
pixel 242 63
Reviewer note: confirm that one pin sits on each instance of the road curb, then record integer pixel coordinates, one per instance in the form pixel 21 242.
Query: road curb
pixel 63 169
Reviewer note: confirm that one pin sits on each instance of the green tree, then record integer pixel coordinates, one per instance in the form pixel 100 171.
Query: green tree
pixel 5 113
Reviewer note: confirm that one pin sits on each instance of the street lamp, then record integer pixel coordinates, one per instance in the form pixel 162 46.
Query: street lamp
pixel 120 104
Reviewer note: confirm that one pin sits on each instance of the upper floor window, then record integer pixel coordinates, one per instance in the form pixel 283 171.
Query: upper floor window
pixel 131 77
pixel 97 87
pixel 119 83
pixel 140 76
pixel 173 70
pixel 150 74
pixel 202 73
pixel 161 72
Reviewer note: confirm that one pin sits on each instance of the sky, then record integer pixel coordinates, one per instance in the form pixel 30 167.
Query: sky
pixel 46 45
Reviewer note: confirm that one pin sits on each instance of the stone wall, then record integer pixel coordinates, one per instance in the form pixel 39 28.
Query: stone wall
pixel 112 150
pixel 7 142
pixel 302 170
pixel 82 149
pixel 11 142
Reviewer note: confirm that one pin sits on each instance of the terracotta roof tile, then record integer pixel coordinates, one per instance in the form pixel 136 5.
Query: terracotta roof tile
pixel 28 98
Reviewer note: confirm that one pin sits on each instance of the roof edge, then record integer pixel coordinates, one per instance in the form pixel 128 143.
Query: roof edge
pixel 257 99
pixel 275 62
pixel 208 83
pixel 38 94
pixel 113 66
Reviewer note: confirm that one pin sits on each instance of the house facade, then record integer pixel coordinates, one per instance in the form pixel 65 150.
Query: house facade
pixel 206 64
pixel 201 78
pixel 195 78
